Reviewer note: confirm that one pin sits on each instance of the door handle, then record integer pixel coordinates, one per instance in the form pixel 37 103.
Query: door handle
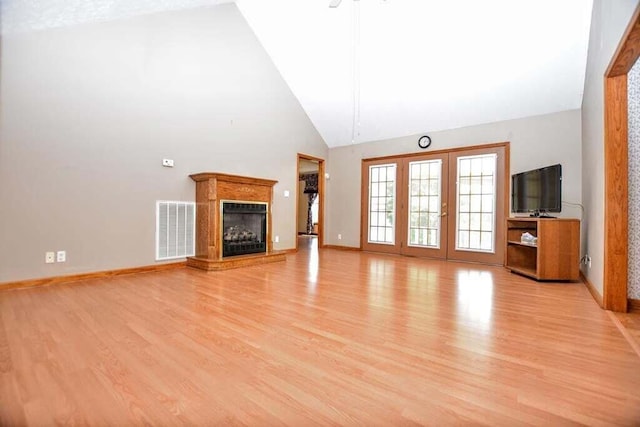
pixel 443 214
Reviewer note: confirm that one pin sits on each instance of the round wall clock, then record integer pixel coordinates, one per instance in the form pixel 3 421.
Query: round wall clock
pixel 424 142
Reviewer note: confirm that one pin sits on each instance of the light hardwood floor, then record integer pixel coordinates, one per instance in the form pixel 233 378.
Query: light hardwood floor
pixel 329 337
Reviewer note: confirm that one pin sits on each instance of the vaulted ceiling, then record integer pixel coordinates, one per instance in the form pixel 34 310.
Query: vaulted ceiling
pixel 374 69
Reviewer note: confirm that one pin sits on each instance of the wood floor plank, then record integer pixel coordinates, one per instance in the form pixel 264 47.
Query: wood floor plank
pixel 12 412
pixel 326 338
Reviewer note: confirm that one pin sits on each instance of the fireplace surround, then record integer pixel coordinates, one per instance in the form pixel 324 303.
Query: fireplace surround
pixel 233 222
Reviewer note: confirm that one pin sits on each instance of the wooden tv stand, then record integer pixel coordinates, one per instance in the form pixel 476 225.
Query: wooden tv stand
pixel 556 256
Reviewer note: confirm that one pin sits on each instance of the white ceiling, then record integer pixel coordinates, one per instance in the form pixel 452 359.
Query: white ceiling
pixel 29 15
pixel 424 65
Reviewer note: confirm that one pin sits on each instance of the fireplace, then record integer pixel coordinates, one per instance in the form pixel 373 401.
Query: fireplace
pixel 233 222
pixel 244 228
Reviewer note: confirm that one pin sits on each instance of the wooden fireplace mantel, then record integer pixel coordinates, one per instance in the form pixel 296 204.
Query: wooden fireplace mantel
pixel 211 189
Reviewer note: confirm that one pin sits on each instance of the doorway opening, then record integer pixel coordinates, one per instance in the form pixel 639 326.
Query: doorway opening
pixel 310 199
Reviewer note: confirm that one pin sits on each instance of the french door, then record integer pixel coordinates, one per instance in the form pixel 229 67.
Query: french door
pixel 448 205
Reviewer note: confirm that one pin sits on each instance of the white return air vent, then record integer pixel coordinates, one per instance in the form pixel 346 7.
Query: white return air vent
pixel 175 229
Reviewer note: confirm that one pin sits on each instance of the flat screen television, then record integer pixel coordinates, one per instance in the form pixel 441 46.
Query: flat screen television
pixel 537 191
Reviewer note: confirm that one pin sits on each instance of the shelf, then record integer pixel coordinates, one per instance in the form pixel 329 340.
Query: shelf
pixel 524 271
pixel 528 245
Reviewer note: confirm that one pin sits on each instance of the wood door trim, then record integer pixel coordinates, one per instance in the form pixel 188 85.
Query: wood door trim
pixel 442 151
pixel 616 195
pixel 507 192
pixel 321 184
pixel 616 192
pixel 628 50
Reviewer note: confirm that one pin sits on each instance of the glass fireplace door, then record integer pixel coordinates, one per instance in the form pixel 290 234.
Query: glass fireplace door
pixel 244 228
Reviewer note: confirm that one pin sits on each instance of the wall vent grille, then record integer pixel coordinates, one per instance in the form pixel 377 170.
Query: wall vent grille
pixel 175 229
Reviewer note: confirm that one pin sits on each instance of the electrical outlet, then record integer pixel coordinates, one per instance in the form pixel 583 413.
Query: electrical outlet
pixel 286 193
pixel 339 236
pixel 167 163
pixel 61 256
pixel 277 239
pixel 49 257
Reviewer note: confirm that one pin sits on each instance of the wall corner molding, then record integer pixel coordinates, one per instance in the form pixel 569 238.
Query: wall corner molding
pixel 592 290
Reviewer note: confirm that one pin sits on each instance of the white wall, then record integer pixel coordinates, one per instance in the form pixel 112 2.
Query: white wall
pixel 535 142
pixel 609 20
pixel 89 112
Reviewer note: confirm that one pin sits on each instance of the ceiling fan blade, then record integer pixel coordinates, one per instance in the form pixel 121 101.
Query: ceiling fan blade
pixel 334 3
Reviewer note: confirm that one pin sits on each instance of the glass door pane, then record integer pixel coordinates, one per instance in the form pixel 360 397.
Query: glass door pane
pixel 476 203
pixel 382 204
pixel 425 199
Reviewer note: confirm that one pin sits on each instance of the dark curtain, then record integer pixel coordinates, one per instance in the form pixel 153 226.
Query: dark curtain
pixel 312 198
pixel 310 182
pixel 311 190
